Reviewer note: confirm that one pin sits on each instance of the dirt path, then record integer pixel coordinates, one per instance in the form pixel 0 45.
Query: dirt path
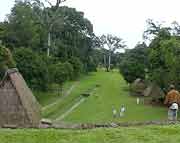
pixel 70 110
pixel 60 99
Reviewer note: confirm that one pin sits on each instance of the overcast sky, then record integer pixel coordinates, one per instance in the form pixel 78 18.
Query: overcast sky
pixel 124 18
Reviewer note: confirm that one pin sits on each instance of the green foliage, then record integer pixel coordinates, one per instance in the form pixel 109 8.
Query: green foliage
pixel 6 60
pixel 61 72
pixel 71 38
pixel 69 70
pixel 33 68
pixel 77 66
pixel 113 43
pixel 74 38
pixel 165 63
pixel 22 29
pixel 91 64
pixel 29 23
pixel 134 63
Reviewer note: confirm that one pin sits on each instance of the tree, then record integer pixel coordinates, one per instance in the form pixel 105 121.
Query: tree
pixel 61 72
pixel 77 66
pixel 113 43
pixel 165 65
pixel 32 26
pixel 6 60
pixel 163 54
pixel 48 17
pixel 21 29
pixel 134 63
pixel 33 68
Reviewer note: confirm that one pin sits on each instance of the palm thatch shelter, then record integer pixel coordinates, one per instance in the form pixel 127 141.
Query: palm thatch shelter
pixel 18 106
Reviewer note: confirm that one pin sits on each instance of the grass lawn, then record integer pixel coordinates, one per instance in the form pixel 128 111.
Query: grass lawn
pixel 85 83
pixel 148 134
pixel 113 91
pixel 49 97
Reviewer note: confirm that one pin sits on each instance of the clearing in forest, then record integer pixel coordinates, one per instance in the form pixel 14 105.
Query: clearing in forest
pixel 110 91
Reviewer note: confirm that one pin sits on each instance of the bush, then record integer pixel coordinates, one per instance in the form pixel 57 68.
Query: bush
pixel 91 65
pixel 61 72
pixel 6 60
pixel 134 63
pixel 131 70
pixel 33 68
pixel 69 70
pixel 77 66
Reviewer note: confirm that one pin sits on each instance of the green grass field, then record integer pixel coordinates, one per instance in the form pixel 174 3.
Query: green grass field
pixel 113 91
pixel 148 134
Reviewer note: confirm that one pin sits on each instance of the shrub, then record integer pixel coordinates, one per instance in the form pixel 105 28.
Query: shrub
pixel 69 70
pixel 6 60
pixel 134 63
pixel 91 65
pixel 77 66
pixel 61 72
pixel 131 70
pixel 33 68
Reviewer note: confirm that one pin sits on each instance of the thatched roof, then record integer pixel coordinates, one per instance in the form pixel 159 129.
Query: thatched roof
pixel 27 99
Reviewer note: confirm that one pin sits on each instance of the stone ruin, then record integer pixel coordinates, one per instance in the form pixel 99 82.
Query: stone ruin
pixel 141 88
pixel 137 87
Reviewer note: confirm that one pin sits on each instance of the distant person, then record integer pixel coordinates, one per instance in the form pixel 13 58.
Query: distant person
pixel 114 111
pixel 137 101
pixel 122 111
pixel 173 96
pixel 172 112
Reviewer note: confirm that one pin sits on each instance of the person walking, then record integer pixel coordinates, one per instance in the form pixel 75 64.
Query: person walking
pixel 114 111
pixel 172 112
pixel 138 101
pixel 122 111
pixel 173 96
pixel 172 100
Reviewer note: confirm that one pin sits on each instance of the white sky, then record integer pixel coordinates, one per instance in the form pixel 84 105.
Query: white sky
pixel 124 18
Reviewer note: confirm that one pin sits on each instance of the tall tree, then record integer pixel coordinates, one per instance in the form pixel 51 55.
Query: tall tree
pixel 113 43
pixel 21 30
pixel 163 54
pixel 48 17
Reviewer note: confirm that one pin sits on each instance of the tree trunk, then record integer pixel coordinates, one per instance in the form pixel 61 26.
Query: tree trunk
pixel 104 61
pixel 49 44
pixel 109 66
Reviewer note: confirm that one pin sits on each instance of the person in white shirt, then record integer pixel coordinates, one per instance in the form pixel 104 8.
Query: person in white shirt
pixel 114 111
pixel 172 112
pixel 122 111
pixel 137 101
